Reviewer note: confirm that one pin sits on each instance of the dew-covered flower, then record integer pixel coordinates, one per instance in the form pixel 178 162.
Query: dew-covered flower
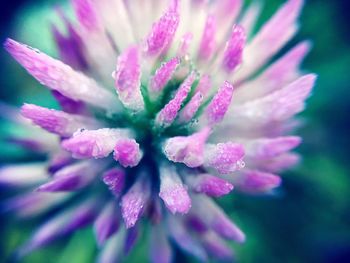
pixel 164 104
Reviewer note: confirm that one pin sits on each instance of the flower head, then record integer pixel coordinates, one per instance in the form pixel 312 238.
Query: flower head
pixel 163 105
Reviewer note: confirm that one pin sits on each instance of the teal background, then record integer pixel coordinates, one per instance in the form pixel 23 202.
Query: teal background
pixel 307 221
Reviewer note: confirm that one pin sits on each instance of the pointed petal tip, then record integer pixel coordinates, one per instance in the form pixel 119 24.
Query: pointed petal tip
pixel 176 199
pixel 220 103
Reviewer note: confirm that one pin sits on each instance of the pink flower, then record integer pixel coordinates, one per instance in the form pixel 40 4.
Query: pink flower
pixel 163 105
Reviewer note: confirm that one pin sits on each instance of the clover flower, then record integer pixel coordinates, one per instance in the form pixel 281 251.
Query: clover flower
pixel 164 104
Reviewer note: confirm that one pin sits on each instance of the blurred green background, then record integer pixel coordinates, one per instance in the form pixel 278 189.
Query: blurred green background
pixel 309 219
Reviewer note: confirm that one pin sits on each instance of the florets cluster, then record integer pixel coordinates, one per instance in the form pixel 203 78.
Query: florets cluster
pixel 164 104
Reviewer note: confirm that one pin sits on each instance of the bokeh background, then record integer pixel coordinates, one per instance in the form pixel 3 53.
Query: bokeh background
pixel 308 220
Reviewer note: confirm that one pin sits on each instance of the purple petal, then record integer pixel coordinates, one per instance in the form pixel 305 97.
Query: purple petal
pixel 164 74
pixel 70 47
pixel 208 42
pixel 162 33
pixel 168 114
pixel 134 202
pixel 224 157
pixel 277 75
pixel 209 185
pixel 58 122
pixel 59 160
pixel 281 162
pixel 95 143
pixel 274 34
pixel 68 105
pixel 191 108
pixel 85 12
pixel 188 150
pixel 220 103
pixel 234 49
pixel 184 44
pixel 32 204
pixel 217 247
pixel 60 77
pixel 257 181
pixel 173 192
pixel 127 152
pixel 115 180
pixel 132 235
pixel 268 148
pixel 128 79
pixel 71 178
pixel 107 223
pixel 61 225
pixel 277 106
pixel 216 219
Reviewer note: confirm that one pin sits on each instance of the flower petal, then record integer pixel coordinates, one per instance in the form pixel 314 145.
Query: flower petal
pixel 128 79
pixel 188 150
pixel 127 152
pixel 115 180
pixel 219 104
pixel 173 192
pixel 134 202
pixel 163 74
pixel 95 143
pixel 168 114
pixel 60 77
pixel 277 106
pixel 58 122
pixel 209 185
pixel 224 157
pixel 216 219
pixel 106 224
pixel 162 33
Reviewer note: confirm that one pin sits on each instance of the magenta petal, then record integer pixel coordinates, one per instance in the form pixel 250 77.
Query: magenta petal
pixel 71 178
pixel 86 14
pixel 163 75
pixel 107 223
pixel 58 122
pixel 115 180
pixel 162 33
pixel 268 148
pixel 128 79
pixel 208 42
pixel 277 106
pixel 191 108
pixel 95 143
pixel 173 192
pixel 127 152
pixel 168 114
pixel 216 219
pixel 60 77
pixel 225 157
pixel 209 185
pixel 188 150
pixel 234 49
pixel 220 103
pixel 257 181
pixel 134 202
